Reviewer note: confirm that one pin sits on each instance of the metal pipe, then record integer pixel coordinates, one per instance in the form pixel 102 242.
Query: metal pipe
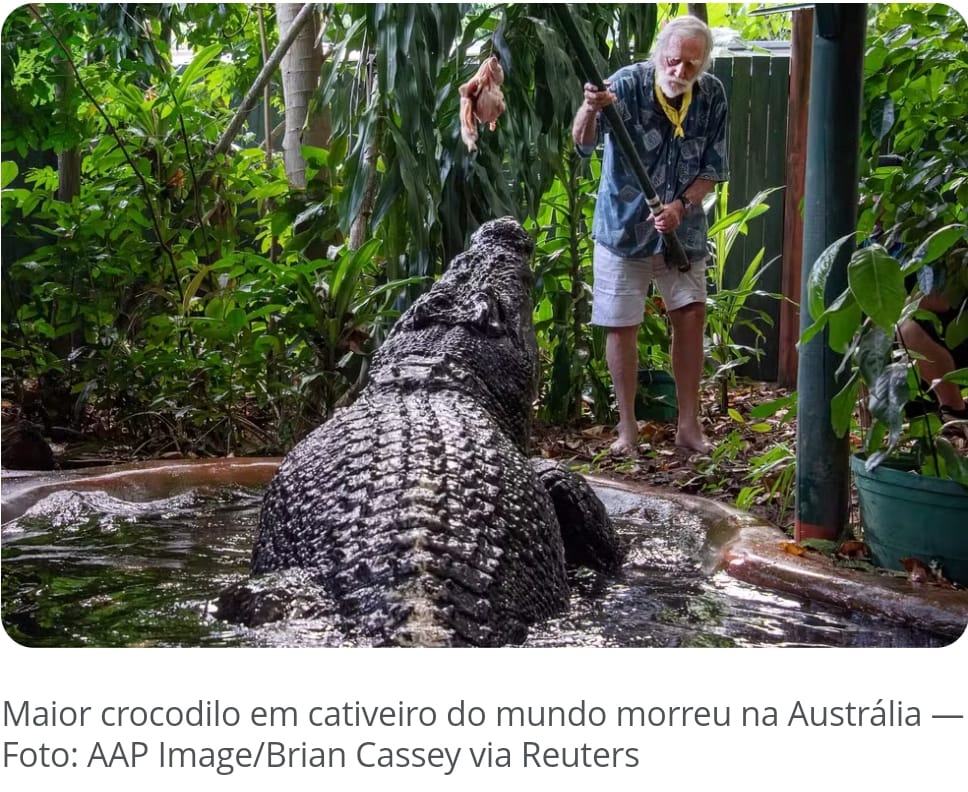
pixel 830 212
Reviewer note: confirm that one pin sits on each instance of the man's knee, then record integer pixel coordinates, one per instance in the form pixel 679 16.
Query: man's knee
pixel 689 309
pixel 623 332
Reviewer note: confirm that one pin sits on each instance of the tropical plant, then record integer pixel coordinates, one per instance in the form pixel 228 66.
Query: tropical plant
pixel 914 66
pixel 177 306
pixel 861 323
pixel 917 58
pixel 728 309
pixel 913 231
pixel 571 353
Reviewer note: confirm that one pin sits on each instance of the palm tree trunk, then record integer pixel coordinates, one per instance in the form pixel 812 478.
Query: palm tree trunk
pixel 301 67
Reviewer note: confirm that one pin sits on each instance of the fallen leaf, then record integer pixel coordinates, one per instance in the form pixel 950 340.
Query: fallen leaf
pixel 852 549
pixel 918 571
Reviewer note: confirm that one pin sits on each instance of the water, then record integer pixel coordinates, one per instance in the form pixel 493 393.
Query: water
pixel 83 568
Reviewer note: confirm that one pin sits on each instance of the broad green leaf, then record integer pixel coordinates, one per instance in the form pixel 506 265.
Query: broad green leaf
pixel 876 281
pixel 842 406
pixel 881 116
pixel 957 332
pixel 8 172
pixel 939 243
pixel 271 189
pixel 820 274
pixel 888 395
pixel 873 354
pixel 771 408
pixel 235 320
pixel 196 69
pixel 265 310
pixel 843 324
pixel 956 464
pixel 958 376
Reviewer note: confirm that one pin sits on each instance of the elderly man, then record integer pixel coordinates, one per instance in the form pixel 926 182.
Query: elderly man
pixel 676 115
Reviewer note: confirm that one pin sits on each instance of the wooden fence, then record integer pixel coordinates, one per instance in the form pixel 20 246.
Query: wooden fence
pixel 757 88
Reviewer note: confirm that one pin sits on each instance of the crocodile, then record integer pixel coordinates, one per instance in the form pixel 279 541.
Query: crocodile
pixel 415 516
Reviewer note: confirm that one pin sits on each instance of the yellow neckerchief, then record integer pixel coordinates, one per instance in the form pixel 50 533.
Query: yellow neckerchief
pixel 675 116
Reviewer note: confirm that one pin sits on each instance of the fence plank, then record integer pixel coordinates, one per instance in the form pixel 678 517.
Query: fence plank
pixel 757 91
pixel 796 156
pixel 774 176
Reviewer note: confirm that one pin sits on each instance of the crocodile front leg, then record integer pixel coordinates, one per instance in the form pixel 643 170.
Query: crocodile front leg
pixel 586 529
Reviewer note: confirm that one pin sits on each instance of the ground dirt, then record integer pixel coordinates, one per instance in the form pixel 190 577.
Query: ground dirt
pixel 740 441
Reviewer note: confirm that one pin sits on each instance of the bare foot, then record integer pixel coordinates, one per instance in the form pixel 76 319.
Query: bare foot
pixel 627 443
pixel 693 439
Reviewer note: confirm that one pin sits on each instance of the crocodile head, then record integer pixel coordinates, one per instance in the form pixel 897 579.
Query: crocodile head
pixel 473 330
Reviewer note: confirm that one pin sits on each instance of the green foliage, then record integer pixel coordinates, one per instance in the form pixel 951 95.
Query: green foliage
pixel 399 104
pixel 232 316
pixel 193 314
pixel 871 360
pixel 727 308
pixel 915 65
pixel 913 214
pixel 572 356
pixel 775 26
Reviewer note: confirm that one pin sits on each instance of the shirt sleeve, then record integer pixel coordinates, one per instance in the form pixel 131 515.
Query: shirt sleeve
pixel 621 85
pixel 714 165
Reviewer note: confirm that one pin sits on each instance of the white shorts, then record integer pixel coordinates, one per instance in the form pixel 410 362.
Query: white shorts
pixel 622 285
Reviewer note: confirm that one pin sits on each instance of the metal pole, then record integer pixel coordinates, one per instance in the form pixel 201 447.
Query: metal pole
pixel 830 212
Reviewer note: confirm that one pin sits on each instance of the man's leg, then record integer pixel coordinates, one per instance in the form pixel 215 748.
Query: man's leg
pixel 622 356
pixel 937 362
pixel 687 356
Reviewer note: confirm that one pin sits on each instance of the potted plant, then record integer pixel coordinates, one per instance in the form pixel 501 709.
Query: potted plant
pixel 655 397
pixel 912 483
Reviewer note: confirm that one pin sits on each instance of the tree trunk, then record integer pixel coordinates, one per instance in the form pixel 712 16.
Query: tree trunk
pixel 301 67
pixel 248 101
pixel 68 160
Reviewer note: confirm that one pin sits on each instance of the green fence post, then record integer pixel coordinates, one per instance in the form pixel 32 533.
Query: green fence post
pixel 830 212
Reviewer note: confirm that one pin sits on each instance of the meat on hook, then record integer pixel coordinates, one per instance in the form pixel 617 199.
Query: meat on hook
pixel 481 101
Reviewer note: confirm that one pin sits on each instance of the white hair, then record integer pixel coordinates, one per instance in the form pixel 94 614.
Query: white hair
pixel 685 27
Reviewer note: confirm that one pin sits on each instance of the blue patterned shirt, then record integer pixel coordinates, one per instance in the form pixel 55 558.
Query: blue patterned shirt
pixel 621 213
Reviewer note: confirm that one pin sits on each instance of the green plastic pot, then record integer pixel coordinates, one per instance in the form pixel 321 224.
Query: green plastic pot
pixel 655 397
pixel 907 515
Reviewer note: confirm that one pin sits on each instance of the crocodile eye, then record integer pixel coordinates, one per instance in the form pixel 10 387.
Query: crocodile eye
pixel 485 313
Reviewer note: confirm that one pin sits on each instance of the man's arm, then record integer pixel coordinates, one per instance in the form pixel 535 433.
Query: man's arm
pixel 584 130
pixel 674 213
pixel 698 190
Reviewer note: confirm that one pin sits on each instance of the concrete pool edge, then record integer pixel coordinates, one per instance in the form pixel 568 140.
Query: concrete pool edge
pixel 752 550
pixel 737 543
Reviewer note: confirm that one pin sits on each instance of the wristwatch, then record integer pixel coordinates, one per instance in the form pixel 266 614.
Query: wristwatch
pixel 686 203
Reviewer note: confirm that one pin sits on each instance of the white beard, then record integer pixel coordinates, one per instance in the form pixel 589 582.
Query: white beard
pixel 673 87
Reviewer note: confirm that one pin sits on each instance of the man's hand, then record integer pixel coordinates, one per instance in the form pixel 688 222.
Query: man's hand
pixel 670 217
pixel 584 128
pixel 598 100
